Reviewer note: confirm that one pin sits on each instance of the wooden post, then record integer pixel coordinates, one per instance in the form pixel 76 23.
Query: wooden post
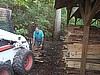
pixel 57 24
pixel 75 20
pixel 68 15
pixel 87 16
pixel 84 49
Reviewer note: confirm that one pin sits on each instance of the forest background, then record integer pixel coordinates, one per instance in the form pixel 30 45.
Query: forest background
pixel 27 14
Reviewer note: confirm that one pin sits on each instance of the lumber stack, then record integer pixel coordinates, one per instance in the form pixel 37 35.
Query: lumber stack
pixel 73 42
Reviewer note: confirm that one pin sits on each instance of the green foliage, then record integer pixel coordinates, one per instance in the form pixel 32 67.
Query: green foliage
pixel 27 13
pixel 21 31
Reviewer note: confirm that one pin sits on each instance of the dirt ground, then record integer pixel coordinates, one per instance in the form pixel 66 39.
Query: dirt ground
pixel 50 63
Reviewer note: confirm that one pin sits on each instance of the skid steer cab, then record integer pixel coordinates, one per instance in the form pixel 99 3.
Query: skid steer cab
pixel 15 54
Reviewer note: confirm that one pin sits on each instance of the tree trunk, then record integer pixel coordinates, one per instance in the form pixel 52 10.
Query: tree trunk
pixel 57 25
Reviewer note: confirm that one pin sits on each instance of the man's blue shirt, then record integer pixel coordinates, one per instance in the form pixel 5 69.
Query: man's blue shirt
pixel 38 36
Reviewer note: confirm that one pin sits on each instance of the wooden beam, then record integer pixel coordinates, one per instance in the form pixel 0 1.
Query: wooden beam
pixel 75 20
pixel 68 15
pixel 71 4
pixel 93 21
pixel 85 38
pixel 84 49
pixel 98 8
pixel 87 10
pixel 89 60
pixel 57 25
pixel 82 11
pixel 93 12
pixel 87 16
pixel 73 14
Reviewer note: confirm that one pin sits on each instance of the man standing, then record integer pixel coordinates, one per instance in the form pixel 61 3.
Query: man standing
pixel 38 38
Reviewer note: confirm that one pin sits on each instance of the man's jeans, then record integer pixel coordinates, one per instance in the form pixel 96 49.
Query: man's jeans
pixel 38 43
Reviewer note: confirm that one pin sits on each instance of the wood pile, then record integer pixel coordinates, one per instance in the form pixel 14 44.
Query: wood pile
pixel 73 47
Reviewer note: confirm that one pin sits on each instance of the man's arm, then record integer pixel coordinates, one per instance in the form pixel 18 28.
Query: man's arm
pixel 33 40
pixel 42 40
pixel 42 36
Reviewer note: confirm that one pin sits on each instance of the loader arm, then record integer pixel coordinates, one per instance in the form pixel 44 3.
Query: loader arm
pixel 19 40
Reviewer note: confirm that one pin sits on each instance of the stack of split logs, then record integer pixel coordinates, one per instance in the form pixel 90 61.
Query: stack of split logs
pixel 73 47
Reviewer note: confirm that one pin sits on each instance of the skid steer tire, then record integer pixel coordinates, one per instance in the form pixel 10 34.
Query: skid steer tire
pixel 23 62
pixel 5 68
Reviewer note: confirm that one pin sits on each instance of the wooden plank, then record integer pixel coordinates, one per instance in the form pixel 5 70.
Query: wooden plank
pixel 89 66
pixel 78 55
pixel 77 47
pixel 74 46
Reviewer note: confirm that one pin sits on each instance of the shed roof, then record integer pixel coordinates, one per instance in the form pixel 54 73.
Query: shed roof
pixel 88 9
pixel 69 4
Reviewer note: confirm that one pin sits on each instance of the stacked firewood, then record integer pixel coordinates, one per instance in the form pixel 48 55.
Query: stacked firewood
pixel 73 43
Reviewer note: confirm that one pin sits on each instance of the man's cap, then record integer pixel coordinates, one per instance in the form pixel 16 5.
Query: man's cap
pixel 36 28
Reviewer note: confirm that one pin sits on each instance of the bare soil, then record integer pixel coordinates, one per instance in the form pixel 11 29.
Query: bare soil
pixel 50 63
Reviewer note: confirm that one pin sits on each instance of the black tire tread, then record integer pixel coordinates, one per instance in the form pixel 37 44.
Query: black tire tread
pixel 19 60
pixel 7 66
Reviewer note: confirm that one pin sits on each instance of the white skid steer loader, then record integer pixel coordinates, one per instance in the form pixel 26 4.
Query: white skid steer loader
pixel 15 54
